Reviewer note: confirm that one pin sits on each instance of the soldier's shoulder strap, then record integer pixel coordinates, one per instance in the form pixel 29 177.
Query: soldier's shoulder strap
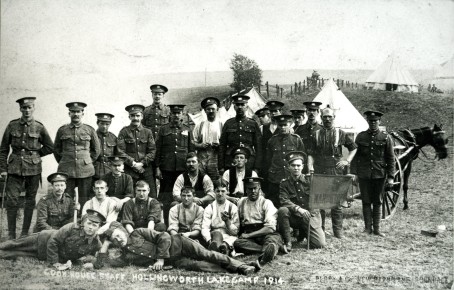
pixel 89 126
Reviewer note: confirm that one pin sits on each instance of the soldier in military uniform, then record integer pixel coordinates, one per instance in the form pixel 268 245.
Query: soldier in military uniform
pixel 294 211
pixel 240 131
pixel 108 143
pixel 298 117
pixel 277 147
pixel 173 144
pixel 325 157
pixel 76 149
pixel 157 114
pixel 206 138
pixel 57 208
pixel 307 131
pixel 29 141
pixel 70 242
pixel 374 163
pixel 139 146
pixel 264 116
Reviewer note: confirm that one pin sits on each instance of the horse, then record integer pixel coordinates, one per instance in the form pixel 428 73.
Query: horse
pixel 408 145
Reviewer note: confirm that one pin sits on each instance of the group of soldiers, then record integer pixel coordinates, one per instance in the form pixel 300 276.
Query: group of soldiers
pixel 194 198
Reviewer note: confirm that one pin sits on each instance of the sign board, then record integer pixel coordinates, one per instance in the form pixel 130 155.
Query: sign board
pixel 328 191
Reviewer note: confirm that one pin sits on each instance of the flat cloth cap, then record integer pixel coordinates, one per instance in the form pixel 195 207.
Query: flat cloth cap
pixel 240 99
pixel 241 150
pixel 312 105
pixel 106 117
pixel 209 101
pixel 95 216
pixel 158 88
pixel 26 101
pixel 176 108
pixel 58 176
pixel 76 106
pixel 294 155
pixel 373 115
pixel 135 108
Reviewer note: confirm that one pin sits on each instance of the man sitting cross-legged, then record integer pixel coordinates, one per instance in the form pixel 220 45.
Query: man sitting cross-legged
pixel 220 222
pixel 146 247
pixel 186 217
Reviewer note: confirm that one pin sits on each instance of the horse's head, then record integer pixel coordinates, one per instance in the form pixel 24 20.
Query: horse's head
pixel 439 141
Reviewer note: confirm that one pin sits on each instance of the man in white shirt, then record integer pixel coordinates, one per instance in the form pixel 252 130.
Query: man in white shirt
pixel 206 136
pixel 234 176
pixel 186 217
pixel 193 177
pixel 220 222
pixel 258 220
pixel 103 204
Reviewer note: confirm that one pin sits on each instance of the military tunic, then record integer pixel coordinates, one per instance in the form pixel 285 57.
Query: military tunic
pixel 240 132
pixel 29 141
pixel 108 143
pixel 54 213
pixel 139 146
pixel 156 116
pixel 294 193
pixel 306 132
pixel 71 243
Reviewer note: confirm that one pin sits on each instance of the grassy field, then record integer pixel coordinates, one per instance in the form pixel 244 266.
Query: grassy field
pixel 404 259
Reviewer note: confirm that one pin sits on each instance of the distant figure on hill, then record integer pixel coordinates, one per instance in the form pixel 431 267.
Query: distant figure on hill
pixel 429 88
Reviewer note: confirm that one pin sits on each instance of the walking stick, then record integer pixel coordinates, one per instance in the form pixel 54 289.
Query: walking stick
pixel 308 233
pixel 3 204
pixel 76 201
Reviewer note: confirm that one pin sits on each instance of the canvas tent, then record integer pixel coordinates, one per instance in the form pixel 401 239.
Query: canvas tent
pixel 392 76
pixel 444 77
pixel 255 102
pixel 347 117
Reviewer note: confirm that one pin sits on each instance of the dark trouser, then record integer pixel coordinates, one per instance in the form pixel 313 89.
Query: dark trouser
pixel 14 185
pixel 84 186
pixel 208 159
pixel 190 255
pixel 34 245
pixel 258 244
pixel 336 213
pixel 372 191
pixel 146 176
pixel 166 191
pixel 273 194
pixel 287 220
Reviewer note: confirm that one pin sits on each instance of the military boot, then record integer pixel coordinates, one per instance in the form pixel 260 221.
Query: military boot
pixel 376 220
pixel 28 215
pixel 11 216
pixel 367 214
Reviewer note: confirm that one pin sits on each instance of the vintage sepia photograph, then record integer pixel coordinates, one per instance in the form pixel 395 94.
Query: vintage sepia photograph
pixel 292 144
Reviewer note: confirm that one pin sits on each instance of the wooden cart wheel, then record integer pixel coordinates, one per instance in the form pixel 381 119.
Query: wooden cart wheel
pixel 393 194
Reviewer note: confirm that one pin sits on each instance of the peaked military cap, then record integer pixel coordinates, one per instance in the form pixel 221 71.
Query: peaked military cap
pixel 135 108
pixel 241 150
pixel 298 112
pixel 158 89
pixel 95 216
pixel 262 112
pixel 373 115
pixel 210 101
pixel 283 119
pixel 26 101
pixel 58 176
pixel 240 99
pixel 252 180
pixel 116 160
pixel 274 105
pixel 312 105
pixel 107 117
pixel 76 106
pixel 176 108
pixel 294 155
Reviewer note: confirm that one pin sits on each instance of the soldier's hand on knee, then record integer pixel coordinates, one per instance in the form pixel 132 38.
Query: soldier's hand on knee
pixel 304 213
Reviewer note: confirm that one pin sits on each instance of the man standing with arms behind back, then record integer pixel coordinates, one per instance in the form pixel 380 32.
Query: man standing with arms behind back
pixel 29 141
pixel 76 148
pixel 157 114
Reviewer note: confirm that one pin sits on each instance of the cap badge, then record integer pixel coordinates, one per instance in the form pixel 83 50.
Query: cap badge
pixel 372 114
pixel 313 104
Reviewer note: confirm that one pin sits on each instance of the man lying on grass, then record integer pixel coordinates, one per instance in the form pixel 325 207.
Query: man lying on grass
pixel 145 247
pixel 70 242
